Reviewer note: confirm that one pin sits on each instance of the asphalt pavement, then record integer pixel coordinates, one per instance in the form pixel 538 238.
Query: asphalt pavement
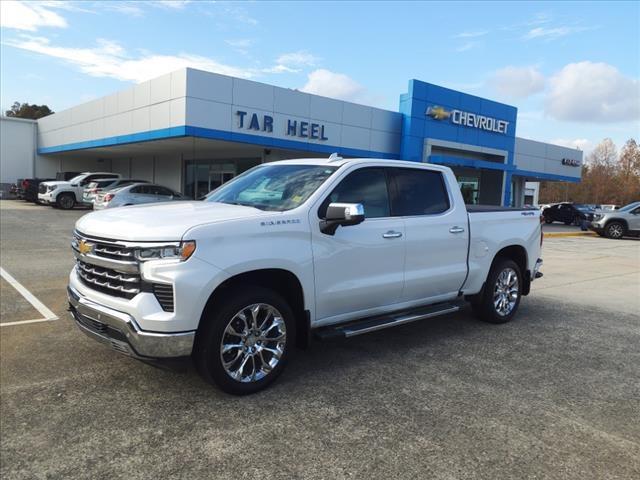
pixel 555 394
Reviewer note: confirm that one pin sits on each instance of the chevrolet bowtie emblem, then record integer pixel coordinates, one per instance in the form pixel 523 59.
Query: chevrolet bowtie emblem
pixel 438 113
pixel 84 247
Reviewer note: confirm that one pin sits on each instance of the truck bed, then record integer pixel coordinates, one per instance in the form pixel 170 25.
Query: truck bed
pixel 497 208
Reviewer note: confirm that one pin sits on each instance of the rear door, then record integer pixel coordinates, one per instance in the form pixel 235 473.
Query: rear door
pixel 436 234
pixel 361 267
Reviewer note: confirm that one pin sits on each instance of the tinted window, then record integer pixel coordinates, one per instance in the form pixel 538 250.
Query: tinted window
pixel 103 183
pixel 138 189
pixel 419 192
pixel 163 191
pixel 367 186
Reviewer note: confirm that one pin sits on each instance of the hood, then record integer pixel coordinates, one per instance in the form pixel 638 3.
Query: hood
pixel 159 221
pixel 57 183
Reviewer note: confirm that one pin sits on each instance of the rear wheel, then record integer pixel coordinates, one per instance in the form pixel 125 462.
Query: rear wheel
pixel 500 299
pixel 244 344
pixel 615 230
pixel 66 201
pixel 547 220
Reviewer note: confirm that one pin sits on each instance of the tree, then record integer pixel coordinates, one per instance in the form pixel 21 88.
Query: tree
pixel 606 178
pixel 25 110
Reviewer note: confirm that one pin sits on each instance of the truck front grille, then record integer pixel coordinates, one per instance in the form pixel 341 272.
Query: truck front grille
pixel 109 281
pixel 42 188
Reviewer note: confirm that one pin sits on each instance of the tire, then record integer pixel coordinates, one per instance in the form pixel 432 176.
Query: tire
pixel 66 201
pixel 484 305
pixel 615 230
pixel 251 366
pixel 577 220
pixel 548 220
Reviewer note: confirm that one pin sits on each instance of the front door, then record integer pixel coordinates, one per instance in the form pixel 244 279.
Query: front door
pixel 360 267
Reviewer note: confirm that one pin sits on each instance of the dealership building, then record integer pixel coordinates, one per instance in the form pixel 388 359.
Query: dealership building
pixel 192 130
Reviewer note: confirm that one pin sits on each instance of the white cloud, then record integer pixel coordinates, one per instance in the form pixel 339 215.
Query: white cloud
pixel 173 4
pixel 131 9
pixel 472 34
pixel 517 82
pixel 579 143
pixel 299 58
pixel 593 92
pixel 29 16
pixel 466 46
pixel 109 59
pixel 335 85
pixel 551 33
pixel 240 45
pixel 279 69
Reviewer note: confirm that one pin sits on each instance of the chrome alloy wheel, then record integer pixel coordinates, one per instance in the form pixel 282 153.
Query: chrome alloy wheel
pixel 253 343
pixel 505 292
pixel 615 230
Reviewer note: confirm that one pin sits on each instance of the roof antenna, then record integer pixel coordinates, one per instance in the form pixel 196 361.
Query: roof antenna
pixel 334 157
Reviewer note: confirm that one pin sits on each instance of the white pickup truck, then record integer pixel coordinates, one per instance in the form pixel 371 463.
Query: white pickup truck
pixel 66 195
pixel 294 249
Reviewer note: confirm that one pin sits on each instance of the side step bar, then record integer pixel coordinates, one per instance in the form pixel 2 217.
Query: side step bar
pixel 371 324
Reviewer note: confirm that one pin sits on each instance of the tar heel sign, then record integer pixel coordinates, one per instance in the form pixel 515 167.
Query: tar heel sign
pixel 284 126
pixel 468 119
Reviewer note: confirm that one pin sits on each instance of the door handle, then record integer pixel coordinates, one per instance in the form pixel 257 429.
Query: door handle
pixel 392 234
pixel 456 230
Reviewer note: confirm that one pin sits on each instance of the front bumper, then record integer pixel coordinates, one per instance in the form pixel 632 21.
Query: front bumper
pixel 120 331
pixel 46 197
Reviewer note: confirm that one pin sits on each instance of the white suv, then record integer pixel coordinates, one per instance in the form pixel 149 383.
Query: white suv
pixel 66 195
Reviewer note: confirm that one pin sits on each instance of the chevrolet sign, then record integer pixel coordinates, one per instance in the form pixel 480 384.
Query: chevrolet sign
pixel 468 119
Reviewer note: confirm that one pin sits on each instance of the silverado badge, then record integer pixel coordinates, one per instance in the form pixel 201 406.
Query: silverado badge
pixel 84 247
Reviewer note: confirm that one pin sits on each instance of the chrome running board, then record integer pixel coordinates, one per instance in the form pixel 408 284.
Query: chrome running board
pixel 371 324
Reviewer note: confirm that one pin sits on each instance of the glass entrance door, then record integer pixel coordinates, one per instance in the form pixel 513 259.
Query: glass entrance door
pixel 203 176
pixel 470 189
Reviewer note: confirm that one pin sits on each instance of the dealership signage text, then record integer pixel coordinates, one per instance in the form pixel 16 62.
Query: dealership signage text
pixel 293 128
pixel 468 119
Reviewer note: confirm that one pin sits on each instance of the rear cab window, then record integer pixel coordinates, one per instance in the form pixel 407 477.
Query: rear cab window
pixel 418 192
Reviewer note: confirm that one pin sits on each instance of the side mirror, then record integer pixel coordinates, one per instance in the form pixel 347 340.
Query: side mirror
pixel 344 214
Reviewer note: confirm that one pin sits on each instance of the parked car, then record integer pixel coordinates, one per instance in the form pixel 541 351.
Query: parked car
pixel 568 213
pixel 330 247
pixel 16 189
pixel 135 194
pixel 609 207
pixel 66 194
pixel 617 223
pixel 30 187
pixel 99 186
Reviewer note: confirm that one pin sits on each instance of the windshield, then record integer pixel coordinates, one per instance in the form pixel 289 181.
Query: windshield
pixel 631 206
pixel 272 187
pixel 76 179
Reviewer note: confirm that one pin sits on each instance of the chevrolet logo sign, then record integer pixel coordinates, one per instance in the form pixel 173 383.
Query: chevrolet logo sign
pixel 84 247
pixel 438 113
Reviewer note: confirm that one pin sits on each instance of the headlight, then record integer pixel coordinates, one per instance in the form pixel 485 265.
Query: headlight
pixel 181 253
pixel 51 188
pixel 597 216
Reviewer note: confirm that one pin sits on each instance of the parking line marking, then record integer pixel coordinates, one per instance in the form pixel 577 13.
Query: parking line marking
pixel 37 304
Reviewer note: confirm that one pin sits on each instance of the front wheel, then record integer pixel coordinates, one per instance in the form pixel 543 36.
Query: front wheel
pixel 66 201
pixel 502 292
pixel 548 221
pixel 244 344
pixel 614 230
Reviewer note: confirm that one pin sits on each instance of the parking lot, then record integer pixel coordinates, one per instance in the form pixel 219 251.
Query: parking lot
pixel 553 394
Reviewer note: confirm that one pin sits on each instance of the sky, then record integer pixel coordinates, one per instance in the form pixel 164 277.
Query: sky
pixel 572 69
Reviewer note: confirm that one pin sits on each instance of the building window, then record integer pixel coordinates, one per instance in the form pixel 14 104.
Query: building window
pixel 470 188
pixel 204 176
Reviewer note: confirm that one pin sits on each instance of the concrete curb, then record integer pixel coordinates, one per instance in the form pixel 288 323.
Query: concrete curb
pixel 570 234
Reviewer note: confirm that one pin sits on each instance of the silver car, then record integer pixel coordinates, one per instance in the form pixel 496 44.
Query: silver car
pixel 99 186
pixel 136 194
pixel 617 223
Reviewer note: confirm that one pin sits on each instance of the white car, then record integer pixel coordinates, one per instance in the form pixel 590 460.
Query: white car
pixel 95 188
pixel 290 249
pixel 67 195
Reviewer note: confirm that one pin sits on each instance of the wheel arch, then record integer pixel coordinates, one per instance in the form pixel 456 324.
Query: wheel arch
pixel 617 219
pixel 282 281
pixel 519 255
